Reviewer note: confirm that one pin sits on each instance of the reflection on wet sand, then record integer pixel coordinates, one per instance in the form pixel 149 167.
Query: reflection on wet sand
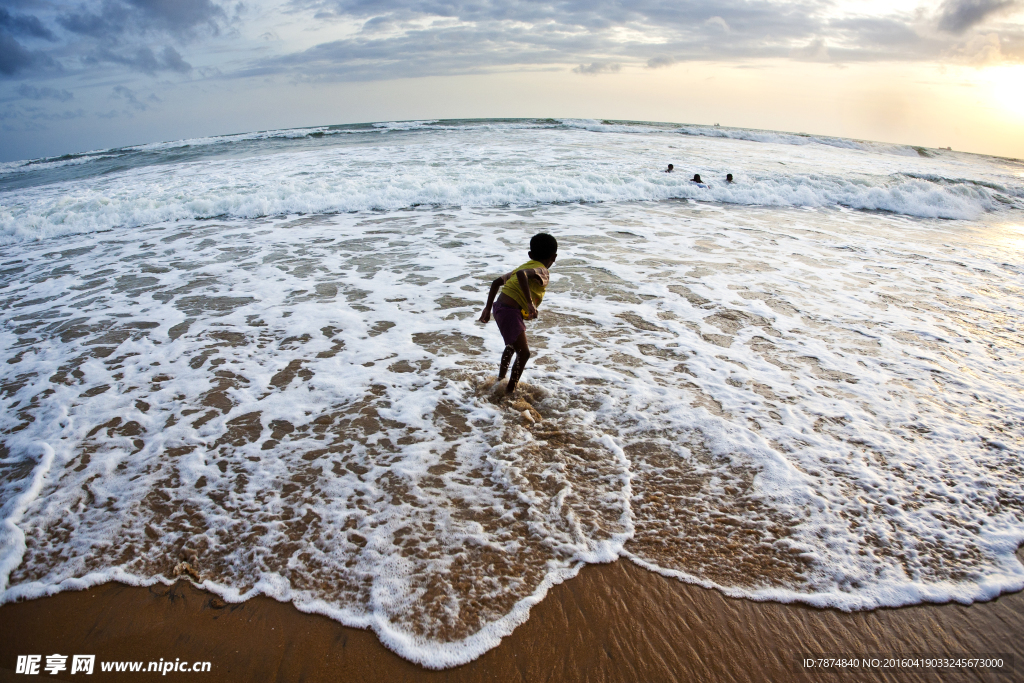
pixel 613 622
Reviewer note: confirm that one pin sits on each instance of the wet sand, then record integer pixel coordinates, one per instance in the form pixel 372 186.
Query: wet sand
pixel 310 402
pixel 614 622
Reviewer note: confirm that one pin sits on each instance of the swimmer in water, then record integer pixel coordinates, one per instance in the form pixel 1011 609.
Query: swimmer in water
pixel 521 293
pixel 669 169
pixel 728 177
pixel 696 178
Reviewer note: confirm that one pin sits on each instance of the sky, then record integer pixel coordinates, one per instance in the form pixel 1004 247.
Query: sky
pixel 78 76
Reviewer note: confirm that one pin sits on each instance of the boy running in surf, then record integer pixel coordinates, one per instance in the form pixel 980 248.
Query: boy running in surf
pixel 521 293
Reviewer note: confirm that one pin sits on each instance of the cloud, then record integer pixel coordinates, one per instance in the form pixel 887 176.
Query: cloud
pixel 815 51
pixel 171 60
pixel 33 93
pixel 122 32
pixel 874 35
pixel 981 50
pixel 597 68
pixel 30 118
pixel 1012 47
pixel 112 21
pixel 406 38
pixel 409 38
pixel 143 59
pixel 24 25
pixel 178 15
pixel 383 39
pixel 67 115
pixel 112 18
pixel 127 94
pixel 956 16
pixel 718 22
pixel 660 61
pixel 15 58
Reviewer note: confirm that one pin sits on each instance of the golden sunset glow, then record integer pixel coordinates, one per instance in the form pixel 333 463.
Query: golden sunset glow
pixel 1005 85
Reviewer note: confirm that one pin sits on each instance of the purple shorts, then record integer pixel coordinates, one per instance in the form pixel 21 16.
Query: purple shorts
pixel 510 322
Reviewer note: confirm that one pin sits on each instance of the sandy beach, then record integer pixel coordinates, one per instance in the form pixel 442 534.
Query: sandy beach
pixel 260 368
pixel 614 622
pixel 527 342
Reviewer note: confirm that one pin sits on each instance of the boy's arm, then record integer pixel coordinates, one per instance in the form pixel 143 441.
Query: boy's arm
pixel 521 278
pixel 485 316
pixel 539 274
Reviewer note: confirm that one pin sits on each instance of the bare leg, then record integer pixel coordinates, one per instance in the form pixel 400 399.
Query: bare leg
pixel 506 358
pixel 522 349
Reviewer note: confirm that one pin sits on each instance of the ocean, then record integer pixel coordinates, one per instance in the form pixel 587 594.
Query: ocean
pixel 254 361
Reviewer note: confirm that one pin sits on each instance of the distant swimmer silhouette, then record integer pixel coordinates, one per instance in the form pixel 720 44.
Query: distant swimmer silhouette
pixel 696 179
pixel 728 177
pixel 669 169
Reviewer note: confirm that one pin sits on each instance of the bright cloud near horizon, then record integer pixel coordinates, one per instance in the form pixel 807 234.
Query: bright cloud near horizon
pixel 76 76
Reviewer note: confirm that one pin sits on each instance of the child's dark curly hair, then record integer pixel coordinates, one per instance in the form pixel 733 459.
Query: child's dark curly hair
pixel 543 246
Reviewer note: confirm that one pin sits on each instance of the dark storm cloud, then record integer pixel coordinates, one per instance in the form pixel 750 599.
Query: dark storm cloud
pixel 178 15
pixel 15 58
pixel 24 25
pixel 110 21
pixel 956 16
pixel 112 18
pixel 101 32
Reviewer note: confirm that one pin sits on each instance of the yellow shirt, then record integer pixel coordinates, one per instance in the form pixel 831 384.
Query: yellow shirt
pixel 537 287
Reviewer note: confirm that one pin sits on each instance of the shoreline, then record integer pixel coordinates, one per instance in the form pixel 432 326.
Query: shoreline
pixel 613 622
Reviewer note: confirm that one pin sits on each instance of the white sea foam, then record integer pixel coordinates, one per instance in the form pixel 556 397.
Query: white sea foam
pixel 123 153
pixel 283 134
pixel 747 134
pixel 596 126
pixel 404 125
pixel 797 403
pixel 34 166
pixel 520 167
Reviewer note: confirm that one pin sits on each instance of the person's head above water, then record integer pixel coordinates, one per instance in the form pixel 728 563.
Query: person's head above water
pixel 696 178
pixel 728 177
pixel 669 169
pixel 543 248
